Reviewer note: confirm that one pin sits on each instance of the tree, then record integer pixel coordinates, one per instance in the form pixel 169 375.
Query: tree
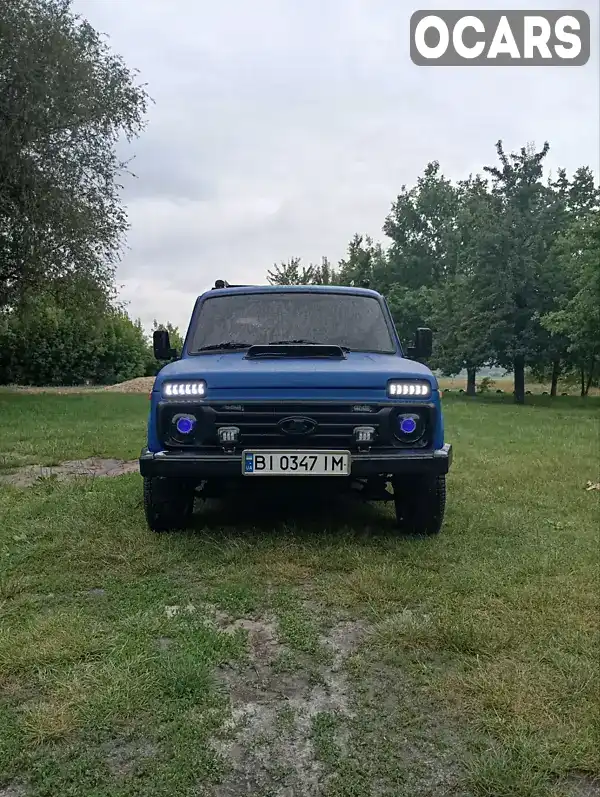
pixel 176 339
pixel 175 336
pixel 422 228
pixel 65 101
pixel 291 273
pixel 438 233
pixel 325 274
pixel 365 264
pixel 462 339
pixel 514 288
pixel 578 320
pixel 577 199
pixel 410 308
pixel 122 350
pixel 457 345
pixel 423 263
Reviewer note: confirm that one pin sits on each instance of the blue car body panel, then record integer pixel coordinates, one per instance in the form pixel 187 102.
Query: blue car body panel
pixel 232 371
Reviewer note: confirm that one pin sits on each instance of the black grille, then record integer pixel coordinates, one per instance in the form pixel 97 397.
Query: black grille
pixel 334 425
pixel 262 424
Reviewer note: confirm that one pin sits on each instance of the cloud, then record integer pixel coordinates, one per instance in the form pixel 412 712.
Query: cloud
pixel 281 129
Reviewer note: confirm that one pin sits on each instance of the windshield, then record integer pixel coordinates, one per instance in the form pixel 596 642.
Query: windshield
pixel 356 322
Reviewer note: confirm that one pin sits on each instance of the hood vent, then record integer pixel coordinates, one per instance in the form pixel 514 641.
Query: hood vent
pixel 296 351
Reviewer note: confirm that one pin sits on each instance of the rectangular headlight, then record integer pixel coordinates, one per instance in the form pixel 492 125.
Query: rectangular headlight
pixel 408 388
pixel 196 388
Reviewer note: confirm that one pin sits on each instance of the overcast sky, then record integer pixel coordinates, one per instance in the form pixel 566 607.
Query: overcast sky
pixel 282 127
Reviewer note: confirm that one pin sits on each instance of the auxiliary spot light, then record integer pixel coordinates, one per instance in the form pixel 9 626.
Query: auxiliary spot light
pixel 364 436
pixel 228 434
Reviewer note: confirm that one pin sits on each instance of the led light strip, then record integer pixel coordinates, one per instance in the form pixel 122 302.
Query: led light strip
pixel 421 389
pixel 171 389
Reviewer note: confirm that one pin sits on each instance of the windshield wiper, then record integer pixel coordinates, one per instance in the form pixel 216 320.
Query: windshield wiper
pixel 303 341
pixel 228 344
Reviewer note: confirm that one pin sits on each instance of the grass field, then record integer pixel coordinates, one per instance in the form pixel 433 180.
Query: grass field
pixel 309 650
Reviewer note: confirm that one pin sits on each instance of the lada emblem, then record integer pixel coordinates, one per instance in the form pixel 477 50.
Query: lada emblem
pixel 297 425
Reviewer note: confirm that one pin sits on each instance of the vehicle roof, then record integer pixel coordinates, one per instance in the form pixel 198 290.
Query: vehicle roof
pixel 342 289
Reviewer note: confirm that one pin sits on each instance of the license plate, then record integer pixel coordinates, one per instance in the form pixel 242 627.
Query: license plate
pixel 296 463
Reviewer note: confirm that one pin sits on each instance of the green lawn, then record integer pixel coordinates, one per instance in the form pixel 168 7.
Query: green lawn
pixel 46 429
pixel 312 646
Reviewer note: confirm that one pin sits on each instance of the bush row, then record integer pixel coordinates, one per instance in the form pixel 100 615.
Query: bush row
pixel 51 345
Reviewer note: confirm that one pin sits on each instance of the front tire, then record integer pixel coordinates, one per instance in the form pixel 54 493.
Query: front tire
pixel 168 503
pixel 420 503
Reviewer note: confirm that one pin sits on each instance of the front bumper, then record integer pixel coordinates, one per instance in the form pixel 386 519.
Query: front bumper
pixel 194 465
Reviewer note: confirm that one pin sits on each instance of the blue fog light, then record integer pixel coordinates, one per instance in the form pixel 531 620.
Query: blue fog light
pixel 408 425
pixel 185 425
pixel 411 428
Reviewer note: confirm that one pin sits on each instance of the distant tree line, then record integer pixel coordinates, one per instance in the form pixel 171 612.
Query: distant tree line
pixel 65 101
pixel 504 266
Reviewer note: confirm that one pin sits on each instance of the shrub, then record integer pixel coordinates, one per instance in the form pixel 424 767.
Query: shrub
pixel 486 384
pixel 47 344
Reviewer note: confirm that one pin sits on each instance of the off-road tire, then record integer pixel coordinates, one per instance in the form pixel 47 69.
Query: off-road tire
pixel 168 503
pixel 420 503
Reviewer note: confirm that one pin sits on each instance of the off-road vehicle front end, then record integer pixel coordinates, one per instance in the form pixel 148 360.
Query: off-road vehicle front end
pixel 282 383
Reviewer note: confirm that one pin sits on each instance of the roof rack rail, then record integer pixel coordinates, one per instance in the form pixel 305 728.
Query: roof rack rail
pixel 224 284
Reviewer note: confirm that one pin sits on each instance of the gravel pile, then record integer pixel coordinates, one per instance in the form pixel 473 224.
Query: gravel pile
pixel 143 384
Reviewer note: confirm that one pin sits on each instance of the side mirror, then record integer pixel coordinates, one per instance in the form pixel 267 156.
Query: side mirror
pixel 423 345
pixel 162 345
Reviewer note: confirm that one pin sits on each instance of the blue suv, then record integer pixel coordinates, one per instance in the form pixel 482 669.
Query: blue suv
pixel 295 384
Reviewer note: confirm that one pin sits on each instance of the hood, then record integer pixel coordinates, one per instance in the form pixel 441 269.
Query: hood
pixel 358 370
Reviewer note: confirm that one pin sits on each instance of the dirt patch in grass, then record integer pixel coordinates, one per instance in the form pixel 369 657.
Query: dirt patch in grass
pixel 580 784
pixel 269 743
pixel 262 638
pixel 163 643
pixel 122 759
pixel 28 475
pixel 12 790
